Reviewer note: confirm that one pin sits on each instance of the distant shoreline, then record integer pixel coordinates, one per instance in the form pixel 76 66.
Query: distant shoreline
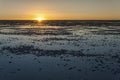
pixel 61 20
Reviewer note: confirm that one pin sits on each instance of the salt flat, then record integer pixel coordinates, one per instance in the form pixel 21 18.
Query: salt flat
pixel 33 51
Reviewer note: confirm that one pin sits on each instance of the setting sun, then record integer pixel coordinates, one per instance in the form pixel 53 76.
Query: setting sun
pixel 39 18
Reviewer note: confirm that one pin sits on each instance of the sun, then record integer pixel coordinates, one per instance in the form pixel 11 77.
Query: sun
pixel 40 19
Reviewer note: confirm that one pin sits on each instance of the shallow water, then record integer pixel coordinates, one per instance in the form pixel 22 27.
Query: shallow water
pixel 49 52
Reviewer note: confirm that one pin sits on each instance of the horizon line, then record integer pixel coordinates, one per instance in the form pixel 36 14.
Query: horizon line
pixel 61 19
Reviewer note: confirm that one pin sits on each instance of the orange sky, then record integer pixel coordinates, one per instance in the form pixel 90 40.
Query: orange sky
pixel 60 9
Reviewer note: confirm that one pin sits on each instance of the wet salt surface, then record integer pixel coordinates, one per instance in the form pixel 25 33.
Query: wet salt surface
pixel 60 53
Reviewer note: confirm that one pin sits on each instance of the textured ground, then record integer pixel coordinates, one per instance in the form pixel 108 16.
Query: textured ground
pixel 34 52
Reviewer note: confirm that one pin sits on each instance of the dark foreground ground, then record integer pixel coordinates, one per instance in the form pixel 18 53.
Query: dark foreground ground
pixel 60 50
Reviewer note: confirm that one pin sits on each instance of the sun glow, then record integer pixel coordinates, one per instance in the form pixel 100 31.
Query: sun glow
pixel 40 19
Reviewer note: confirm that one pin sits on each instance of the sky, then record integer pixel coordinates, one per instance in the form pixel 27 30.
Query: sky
pixel 60 9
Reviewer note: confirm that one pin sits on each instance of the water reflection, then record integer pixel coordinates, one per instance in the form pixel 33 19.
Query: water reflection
pixel 37 52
